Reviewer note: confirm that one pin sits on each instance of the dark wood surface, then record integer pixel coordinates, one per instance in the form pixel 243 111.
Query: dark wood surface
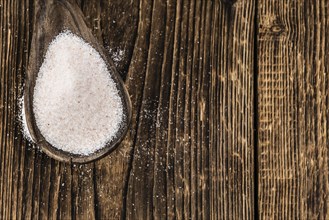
pixel 230 105
pixel 293 109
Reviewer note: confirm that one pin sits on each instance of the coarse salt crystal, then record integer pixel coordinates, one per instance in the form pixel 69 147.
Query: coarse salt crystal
pixel 76 103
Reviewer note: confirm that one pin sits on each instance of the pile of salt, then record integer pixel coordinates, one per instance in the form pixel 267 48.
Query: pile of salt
pixel 76 103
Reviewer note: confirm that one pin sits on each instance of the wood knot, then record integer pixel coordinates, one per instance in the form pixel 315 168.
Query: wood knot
pixel 271 26
pixel 277 29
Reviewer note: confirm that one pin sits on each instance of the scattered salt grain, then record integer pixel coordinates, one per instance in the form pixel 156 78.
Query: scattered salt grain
pixel 116 55
pixel 76 103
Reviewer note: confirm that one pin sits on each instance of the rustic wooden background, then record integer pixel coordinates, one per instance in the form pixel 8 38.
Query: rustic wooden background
pixel 230 114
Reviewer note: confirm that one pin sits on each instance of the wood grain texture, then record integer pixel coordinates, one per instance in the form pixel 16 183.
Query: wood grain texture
pixel 189 69
pixel 293 109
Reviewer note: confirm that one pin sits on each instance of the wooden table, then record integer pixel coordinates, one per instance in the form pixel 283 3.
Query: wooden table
pixel 230 114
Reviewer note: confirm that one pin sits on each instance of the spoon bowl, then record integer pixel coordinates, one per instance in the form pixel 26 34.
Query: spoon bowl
pixel 54 17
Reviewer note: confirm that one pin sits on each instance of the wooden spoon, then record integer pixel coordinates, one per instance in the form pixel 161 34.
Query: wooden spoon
pixel 52 18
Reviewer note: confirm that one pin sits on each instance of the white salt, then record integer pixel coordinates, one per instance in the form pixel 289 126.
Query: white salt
pixel 76 104
pixel 116 55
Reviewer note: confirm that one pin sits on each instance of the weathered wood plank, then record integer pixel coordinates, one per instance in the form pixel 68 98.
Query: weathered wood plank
pixel 293 109
pixel 188 66
pixel 197 70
